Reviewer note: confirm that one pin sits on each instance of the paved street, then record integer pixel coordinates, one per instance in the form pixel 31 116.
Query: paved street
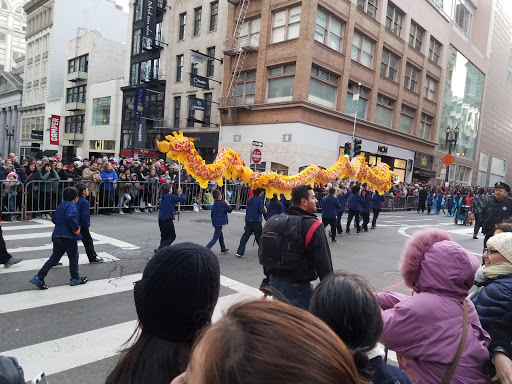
pixel 74 333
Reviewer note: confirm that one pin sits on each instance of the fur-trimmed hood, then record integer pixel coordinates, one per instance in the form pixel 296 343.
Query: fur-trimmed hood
pixel 432 262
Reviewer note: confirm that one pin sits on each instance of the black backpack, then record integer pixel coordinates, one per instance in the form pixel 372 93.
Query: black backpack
pixel 281 242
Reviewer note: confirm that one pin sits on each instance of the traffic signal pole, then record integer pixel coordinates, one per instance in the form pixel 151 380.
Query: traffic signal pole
pixel 356 96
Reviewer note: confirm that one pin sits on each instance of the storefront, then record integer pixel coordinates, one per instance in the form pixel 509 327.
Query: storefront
pixel 423 164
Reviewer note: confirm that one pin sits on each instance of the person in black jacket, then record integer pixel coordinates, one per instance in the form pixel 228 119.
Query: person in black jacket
pixel 423 194
pixel 294 285
pixel 500 349
pixel 496 210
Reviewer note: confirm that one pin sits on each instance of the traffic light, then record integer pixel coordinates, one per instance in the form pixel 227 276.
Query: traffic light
pixel 357 146
pixel 347 149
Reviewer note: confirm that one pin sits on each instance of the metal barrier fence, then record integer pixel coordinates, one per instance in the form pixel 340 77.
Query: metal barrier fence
pixel 11 193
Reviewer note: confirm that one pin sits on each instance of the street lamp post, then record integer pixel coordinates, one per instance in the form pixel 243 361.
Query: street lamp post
pixel 449 141
pixel 10 135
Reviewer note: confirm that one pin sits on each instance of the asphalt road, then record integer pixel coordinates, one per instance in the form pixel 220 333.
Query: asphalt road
pixel 74 333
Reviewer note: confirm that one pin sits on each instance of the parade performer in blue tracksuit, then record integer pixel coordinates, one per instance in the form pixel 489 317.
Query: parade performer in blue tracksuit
pixel 219 215
pixel 253 219
pixel 365 208
pixel 330 205
pixel 354 207
pixel 166 215
pixel 376 205
pixel 342 196
pixel 84 221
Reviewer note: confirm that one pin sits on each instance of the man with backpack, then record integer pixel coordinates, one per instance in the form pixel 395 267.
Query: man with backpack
pixel 294 249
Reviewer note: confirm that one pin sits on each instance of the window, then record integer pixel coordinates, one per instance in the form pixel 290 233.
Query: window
pixel 18 10
pixel 482 169
pixel 394 19
pixel 322 87
pixel 389 64
pixel 17 25
pixel 286 24
pixel 145 71
pixel 80 63
pixel 29 124
pixel 135 74
pixel 23 43
pixel 76 94
pixel 197 20
pixel 362 49
pixel 101 111
pixel 214 15
pixel 368 6
pixel 207 110
pixel 177 109
pixel 425 126
pixel 415 36
pixel 351 105
pixel 16 55
pixel 179 68
pixel 463 16
pixel 2 37
pixel 16 41
pixel 4 5
pixel 3 21
pixel 498 170
pixel 407 118
pixel 463 175
pixel 137 42
pixel 430 88
pixel 412 75
pixel 434 50
pixel 183 26
pixel 74 124
pixel 384 110
pixel 250 33
pixel 24 27
pixel 210 62
pixel 158 35
pixel 280 83
pixel 328 30
pixel 191 111
pixel 193 68
pixel 138 9
pixel 245 88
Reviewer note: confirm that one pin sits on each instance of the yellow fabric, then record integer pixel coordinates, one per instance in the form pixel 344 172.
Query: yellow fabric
pixel 228 164
pixel 498 269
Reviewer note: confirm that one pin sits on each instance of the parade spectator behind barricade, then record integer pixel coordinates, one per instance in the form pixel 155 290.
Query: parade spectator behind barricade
pixel 152 188
pixel 48 190
pixel 236 349
pixel 14 161
pixel 134 192
pixel 165 177
pixel 253 219
pixel 330 205
pixel 92 179
pixel 426 329
pixel 500 349
pixel 496 210
pixel 187 276
pixel 9 193
pixel 494 280
pixel 354 208
pixel 85 165
pixel 120 169
pixel 347 304
pixel 274 207
pixel 477 206
pixel 342 194
pixel 123 192
pixel 107 188
pixel 376 204
pixel 65 173
pixel 3 172
pixel 365 208
pixel 29 177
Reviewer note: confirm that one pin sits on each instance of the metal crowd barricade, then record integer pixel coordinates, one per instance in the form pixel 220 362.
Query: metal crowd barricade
pixel 412 202
pixel 11 206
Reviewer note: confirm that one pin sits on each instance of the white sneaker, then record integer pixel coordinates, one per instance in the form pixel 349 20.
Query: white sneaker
pixel 149 205
pixel 125 206
pixel 121 212
pixel 137 210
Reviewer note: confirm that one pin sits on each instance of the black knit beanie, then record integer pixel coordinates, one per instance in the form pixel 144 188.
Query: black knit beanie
pixel 178 291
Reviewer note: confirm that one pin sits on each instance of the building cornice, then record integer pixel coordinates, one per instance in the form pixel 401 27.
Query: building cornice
pixel 31 6
pixel 32 107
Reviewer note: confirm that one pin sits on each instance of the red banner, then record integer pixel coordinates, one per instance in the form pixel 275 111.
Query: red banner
pixel 147 153
pixel 54 130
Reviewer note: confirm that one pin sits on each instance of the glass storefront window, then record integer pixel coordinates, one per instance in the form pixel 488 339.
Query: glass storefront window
pixel 462 102
pixel 101 111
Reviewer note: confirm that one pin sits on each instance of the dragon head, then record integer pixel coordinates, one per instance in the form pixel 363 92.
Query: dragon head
pixel 175 143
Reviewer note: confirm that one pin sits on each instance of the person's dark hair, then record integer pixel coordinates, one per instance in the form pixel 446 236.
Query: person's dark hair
pixel 166 188
pixel 347 304
pixel 331 191
pixel 300 192
pixel 355 189
pixel 274 202
pixel 504 226
pixel 81 188
pixel 43 168
pixel 216 194
pixel 69 193
pixel 481 191
pixel 257 191
pixel 236 348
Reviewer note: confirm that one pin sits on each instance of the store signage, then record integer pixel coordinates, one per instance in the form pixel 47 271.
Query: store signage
pixel 148 32
pixel 140 133
pixel 257 143
pixel 54 130
pixel 382 149
pixel 36 135
pixel 199 82
pixel 198 104
pixel 140 100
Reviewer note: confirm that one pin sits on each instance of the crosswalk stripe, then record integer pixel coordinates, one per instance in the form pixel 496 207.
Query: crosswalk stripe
pixel 88 347
pixel 44 247
pixel 36 264
pixel 25 227
pixel 112 241
pixel 28 236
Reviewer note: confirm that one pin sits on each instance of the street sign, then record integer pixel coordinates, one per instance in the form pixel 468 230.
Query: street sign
pixel 443 173
pixel 256 156
pixel 257 143
pixel 448 160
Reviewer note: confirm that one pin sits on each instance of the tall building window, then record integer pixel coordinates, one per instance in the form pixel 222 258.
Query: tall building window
pixel 101 111
pixel 214 15
pixel 281 80
pixel 138 9
pixel 179 68
pixel 322 87
pixel 416 36
pixel 29 124
pixel 207 109
pixel 16 55
pixel 394 19
pixel 245 88
pixel 74 124
pixel 135 74
pixel 183 26
pixel 76 94
pixel 434 50
pixel 137 42
pixel 407 118
pixel 463 16
pixel 425 126
pixel 362 49
pixel 250 33
pixel 2 53
pixel 384 110
pixel 412 75
pixel 389 64
pixel 286 24
pixel 430 88
pixel 328 29
pixel 4 5
pixel 158 35
pixel 3 21
pixel 145 71
pixel 193 68
pixel 177 109
pixel 368 6
pixel 351 104
pixel 197 20
pixel 16 41
pixel 210 62
pixel 2 37
pixel 17 24
pixel 18 10
pixel 80 63
pixel 191 111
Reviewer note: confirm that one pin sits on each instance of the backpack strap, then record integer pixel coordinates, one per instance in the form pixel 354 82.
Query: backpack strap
pixel 311 231
pixel 453 365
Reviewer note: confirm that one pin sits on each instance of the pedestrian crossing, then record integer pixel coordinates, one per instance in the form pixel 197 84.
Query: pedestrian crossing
pixel 65 328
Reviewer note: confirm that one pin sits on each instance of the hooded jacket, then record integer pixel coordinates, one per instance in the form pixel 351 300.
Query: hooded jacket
pixel 425 329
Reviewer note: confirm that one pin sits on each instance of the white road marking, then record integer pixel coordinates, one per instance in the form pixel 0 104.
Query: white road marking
pixel 28 236
pixel 36 264
pixel 44 247
pixel 112 241
pixel 403 221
